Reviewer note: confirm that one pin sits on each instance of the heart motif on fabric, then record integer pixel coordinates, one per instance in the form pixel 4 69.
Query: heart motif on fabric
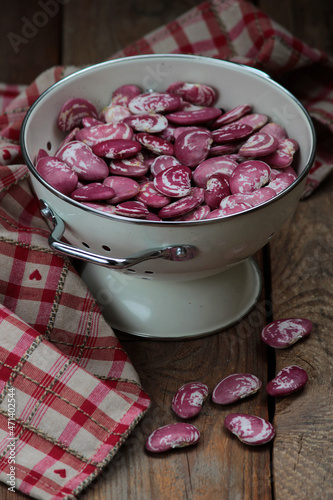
pixel 61 472
pixel 35 275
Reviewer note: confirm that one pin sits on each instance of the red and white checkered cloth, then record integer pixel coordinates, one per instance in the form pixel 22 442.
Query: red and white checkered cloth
pixel 76 394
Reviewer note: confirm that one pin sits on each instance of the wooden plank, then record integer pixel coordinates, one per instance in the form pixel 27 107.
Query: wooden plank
pixel 219 466
pixel 302 272
pixel 309 21
pixel 29 39
pixel 94 31
pixel 302 284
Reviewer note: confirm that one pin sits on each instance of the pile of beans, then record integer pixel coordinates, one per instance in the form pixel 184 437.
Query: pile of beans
pixel 169 155
pixel 250 429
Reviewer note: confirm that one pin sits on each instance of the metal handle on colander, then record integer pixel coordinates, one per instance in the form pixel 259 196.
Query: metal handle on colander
pixel 172 252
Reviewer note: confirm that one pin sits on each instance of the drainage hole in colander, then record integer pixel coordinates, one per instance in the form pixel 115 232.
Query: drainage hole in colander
pixel 149 272
pixel 132 271
pixel 106 248
pixel 49 146
pixel 85 244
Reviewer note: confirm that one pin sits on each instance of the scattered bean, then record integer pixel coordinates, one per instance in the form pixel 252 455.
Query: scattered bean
pixel 235 387
pixel 249 429
pixel 176 435
pixel 285 332
pixel 288 380
pixel 188 400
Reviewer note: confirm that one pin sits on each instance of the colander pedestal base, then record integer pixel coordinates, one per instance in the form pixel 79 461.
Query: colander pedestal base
pixel 171 310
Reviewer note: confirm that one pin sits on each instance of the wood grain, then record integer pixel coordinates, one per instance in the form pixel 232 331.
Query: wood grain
pixel 309 21
pixel 30 40
pixel 302 277
pixel 219 466
pixel 103 28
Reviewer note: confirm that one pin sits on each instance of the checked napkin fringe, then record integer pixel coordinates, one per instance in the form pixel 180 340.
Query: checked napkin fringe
pixel 77 395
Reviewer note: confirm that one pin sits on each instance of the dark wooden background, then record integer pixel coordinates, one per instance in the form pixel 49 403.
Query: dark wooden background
pixel 298 270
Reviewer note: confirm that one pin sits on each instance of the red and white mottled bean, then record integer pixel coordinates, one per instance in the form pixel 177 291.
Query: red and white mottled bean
pixel 158 102
pixel 124 94
pixel 83 161
pixel 195 117
pixel 259 144
pixel 195 93
pixel 232 132
pixel 117 148
pixel 183 205
pixel 192 147
pixel 287 381
pixel 249 429
pixel 249 176
pixel 72 112
pixel 210 166
pixel 163 162
pixel 125 188
pixel 151 197
pixel 168 437
pixel 188 400
pixel 105 132
pixel 151 123
pixel 174 182
pixel 231 116
pixel 92 192
pixel 234 387
pixel 217 188
pixel 255 120
pixel 284 332
pixel 58 174
pixel 134 209
pixel 115 113
pixel 156 144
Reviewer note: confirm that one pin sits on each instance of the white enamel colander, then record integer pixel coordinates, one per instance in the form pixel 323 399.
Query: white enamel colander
pixel 167 279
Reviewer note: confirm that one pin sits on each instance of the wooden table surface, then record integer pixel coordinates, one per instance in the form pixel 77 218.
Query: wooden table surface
pixel 297 267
